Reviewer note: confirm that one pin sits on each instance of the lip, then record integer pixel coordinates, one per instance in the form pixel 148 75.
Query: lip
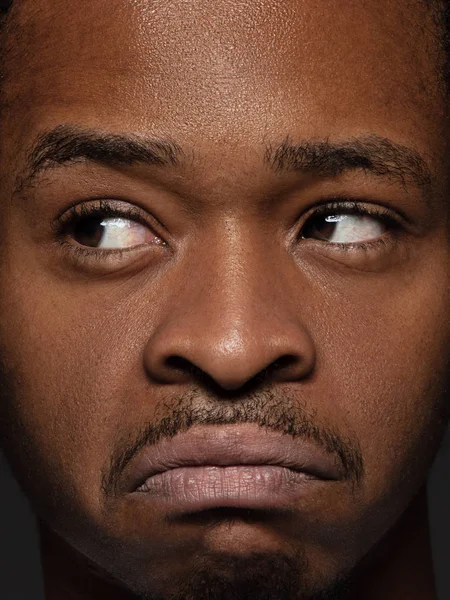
pixel 248 448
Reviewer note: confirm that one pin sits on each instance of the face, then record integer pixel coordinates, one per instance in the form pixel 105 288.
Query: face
pixel 225 227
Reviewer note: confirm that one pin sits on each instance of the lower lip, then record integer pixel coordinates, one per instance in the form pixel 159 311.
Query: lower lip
pixel 247 486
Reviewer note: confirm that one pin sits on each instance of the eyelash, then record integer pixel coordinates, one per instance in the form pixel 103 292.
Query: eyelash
pixel 351 207
pixel 106 209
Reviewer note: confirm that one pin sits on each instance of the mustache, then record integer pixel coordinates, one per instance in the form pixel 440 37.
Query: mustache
pixel 269 409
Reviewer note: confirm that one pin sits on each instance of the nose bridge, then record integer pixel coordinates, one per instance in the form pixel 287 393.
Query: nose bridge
pixel 237 288
pixel 233 315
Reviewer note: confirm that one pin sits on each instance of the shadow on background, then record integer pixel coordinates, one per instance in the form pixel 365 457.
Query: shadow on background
pixel 20 574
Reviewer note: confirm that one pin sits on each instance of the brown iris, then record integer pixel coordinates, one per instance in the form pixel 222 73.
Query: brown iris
pixel 89 232
pixel 322 227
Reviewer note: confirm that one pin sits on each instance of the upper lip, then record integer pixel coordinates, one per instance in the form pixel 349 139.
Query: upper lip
pixel 246 444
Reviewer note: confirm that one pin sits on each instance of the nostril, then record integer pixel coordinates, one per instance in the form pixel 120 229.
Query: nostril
pixel 282 366
pixel 180 364
pixel 278 369
pixel 175 362
pixel 187 369
pixel 284 362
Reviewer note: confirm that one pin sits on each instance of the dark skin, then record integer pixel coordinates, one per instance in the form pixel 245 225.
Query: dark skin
pixel 226 125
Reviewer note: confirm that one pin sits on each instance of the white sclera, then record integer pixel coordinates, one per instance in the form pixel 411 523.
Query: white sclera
pixel 123 233
pixel 354 228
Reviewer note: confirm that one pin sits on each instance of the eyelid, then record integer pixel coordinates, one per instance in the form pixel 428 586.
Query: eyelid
pixel 106 208
pixel 393 218
pixel 356 206
pixel 352 253
pixel 101 260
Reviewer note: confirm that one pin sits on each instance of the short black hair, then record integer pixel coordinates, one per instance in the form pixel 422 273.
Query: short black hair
pixel 5 5
pixel 443 14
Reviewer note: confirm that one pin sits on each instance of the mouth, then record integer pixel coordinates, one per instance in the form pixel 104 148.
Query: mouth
pixel 229 466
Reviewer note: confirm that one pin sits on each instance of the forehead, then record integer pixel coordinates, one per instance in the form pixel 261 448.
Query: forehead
pixel 227 70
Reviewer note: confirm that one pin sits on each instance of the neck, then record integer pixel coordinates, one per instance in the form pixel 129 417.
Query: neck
pixel 400 565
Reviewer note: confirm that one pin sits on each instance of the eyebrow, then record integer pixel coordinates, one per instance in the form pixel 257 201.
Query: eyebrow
pixel 66 144
pixel 380 156
pixel 377 155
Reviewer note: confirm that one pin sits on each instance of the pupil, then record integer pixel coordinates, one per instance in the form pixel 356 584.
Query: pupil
pixel 89 232
pixel 327 229
pixel 322 227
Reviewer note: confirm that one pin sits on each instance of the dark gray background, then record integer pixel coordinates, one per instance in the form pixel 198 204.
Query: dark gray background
pixel 19 556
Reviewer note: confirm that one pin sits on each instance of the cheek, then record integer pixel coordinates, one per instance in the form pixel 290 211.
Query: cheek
pixel 73 360
pixel 66 367
pixel 386 369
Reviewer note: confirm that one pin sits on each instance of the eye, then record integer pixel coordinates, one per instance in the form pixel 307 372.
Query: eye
pixel 109 233
pixel 107 227
pixel 345 228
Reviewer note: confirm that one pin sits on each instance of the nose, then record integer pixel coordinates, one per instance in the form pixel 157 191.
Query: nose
pixel 230 330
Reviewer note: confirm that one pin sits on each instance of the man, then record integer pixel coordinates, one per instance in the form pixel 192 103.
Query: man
pixel 224 278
